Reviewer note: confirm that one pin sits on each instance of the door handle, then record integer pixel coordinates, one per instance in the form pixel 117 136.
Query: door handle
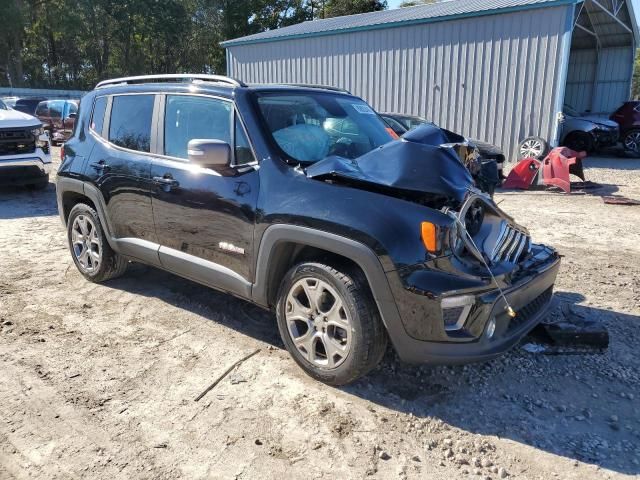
pixel 101 165
pixel 167 182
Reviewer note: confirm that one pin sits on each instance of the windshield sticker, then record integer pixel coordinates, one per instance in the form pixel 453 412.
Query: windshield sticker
pixel 362 108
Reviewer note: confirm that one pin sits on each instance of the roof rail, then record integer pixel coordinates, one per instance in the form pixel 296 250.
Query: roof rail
pixel 171 77
pixel 315 85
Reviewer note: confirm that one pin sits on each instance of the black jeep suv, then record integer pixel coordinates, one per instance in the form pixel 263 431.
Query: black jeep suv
pixel 296 198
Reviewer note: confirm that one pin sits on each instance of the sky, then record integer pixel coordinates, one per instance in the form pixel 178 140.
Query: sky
pixel 394 3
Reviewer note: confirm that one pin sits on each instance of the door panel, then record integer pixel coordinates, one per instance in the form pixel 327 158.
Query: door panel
pixel 196 210
pixel 123 174
pixel 205 214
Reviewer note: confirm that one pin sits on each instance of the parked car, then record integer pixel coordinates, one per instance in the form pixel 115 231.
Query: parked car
pixel 628 117
pixel 488 174
pixel 297 199
pixel 28 105
pixel 579 132
pixel 58 118
pixel 24 150
pixel 9 101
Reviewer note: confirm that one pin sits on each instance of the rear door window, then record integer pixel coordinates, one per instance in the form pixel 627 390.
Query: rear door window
pixel 130 124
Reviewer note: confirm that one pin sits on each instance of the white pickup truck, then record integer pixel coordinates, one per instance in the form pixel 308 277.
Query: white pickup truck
pixel 24 149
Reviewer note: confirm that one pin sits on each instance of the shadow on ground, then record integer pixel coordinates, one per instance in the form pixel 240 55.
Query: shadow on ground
pixel 23 202
pixel 548 402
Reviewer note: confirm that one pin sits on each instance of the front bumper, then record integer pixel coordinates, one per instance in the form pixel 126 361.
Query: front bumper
pixel 529 295
pixel 606 138
pixel 24 169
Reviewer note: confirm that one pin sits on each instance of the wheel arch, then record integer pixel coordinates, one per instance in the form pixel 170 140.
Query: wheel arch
pixel 71 191
pixel 282 245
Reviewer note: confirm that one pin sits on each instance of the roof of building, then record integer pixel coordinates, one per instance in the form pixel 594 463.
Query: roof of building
pixel 440 11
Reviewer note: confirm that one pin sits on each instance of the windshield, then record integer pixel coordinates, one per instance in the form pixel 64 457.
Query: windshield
pixel 3 106
pixel 311 126
pixel 410 122
pixel 569 110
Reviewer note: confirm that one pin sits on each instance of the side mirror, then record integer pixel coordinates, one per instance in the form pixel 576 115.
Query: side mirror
pixel 209 153
pixel 73 115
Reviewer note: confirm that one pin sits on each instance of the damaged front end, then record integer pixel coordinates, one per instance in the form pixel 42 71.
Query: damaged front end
pixel 485 233
pixel 429 165
pixel 482 283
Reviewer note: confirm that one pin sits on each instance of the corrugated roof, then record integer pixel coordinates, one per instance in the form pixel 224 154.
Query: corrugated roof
pixel 440 11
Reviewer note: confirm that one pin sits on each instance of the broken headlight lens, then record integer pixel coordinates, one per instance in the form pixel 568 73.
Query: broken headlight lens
pixel 456 240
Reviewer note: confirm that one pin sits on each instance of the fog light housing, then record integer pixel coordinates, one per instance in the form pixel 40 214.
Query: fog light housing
pixel 455 311
pixel 490 329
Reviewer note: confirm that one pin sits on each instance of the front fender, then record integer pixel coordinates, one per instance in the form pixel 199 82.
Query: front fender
pixel 362 255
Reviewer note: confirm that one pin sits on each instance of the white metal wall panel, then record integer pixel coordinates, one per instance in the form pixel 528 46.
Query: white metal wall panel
pixel 583 66
pixel 494 77
pixel 613 80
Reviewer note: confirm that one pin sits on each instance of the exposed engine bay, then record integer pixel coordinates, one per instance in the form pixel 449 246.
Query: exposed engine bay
pixel 441 170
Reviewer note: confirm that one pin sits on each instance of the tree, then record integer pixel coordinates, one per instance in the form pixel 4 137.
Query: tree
pixel 11 36
pixel 414 3
pixel 76 43
pixel 338 8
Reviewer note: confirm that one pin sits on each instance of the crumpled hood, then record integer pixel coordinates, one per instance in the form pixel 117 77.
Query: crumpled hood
pixel 15 119
pixel 426 160
pixel 597 120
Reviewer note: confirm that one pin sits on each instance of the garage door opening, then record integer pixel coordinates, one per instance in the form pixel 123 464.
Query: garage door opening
pixel 601 58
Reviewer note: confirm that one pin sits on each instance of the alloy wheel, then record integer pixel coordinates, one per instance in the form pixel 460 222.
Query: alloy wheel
pixel 86 243
pixel 531 148
pixel 318 322
pixel 632 142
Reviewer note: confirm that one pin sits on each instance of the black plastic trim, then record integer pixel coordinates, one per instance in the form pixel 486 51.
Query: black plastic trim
pixel 362 255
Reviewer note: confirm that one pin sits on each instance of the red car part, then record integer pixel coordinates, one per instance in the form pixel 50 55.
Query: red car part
pixel 523 174
pixel 556 168
pixel 559 164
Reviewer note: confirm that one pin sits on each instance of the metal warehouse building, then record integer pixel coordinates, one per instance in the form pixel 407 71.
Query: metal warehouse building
pixel 497 70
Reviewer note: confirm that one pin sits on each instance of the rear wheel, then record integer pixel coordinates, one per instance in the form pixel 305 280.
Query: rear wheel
pixel 579 142
pixel 90 250
pixel 533 147
pixel 329 322
pixel 631 141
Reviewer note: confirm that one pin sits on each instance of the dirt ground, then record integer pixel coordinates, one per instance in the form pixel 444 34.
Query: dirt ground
pixel 99 381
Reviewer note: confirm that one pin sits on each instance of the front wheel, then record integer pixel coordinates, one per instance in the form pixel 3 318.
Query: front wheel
pixel 90 251
pixel 329 322
pixel 579 142
pixel 631 141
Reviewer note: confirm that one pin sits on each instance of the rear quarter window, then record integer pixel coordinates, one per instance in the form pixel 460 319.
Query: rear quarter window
pixel 97 117
pixel 130 121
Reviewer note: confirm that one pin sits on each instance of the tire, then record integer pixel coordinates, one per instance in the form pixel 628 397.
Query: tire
pixel 631 141
pixel 579 142
pixel 41 184
pixel 85 235
pixel 533 147
pixel 353 351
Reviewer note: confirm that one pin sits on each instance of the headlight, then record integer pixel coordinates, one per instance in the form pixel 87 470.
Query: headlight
pixel 42 139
